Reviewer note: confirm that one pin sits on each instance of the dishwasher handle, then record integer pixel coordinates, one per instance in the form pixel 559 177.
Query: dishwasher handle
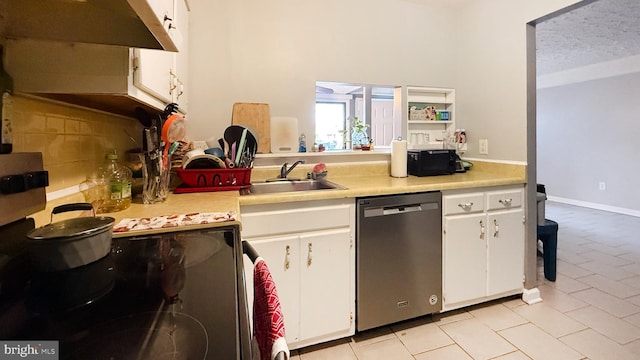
pixel 398 209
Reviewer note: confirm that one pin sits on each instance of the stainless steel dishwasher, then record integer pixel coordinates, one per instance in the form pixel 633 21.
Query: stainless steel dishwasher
pixel 399 258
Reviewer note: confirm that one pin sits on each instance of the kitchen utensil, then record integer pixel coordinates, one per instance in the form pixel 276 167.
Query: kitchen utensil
pixel 240 150
pixel 143 116
pixel 256 117
pixel 233 134
pixel 70 243
pixel 197 159
pixel 284 134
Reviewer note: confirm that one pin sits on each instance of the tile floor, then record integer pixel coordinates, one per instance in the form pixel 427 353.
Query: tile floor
pixel 592 311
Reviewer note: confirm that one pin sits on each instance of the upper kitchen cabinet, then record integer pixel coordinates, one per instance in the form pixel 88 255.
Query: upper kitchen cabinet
pixel 128 23
pixel 427 114
pixel 109 78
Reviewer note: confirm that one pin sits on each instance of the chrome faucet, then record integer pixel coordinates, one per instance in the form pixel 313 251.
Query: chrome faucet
pixel 284 172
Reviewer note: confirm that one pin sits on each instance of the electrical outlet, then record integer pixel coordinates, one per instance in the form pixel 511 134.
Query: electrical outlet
pixel 602 185
pixel 483 147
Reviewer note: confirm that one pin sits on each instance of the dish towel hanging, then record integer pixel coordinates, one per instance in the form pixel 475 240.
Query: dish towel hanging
pixel 268 322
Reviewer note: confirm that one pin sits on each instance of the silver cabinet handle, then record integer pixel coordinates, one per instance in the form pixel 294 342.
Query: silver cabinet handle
pixel 466 206
pixel 286 257
pixel 309 258
pixel 497 228
pixel 505 202
pixel 482 229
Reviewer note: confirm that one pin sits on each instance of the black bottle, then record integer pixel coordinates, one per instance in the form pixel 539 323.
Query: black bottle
pixel 6 90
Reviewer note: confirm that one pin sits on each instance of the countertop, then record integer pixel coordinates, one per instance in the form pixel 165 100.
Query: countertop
pixel 359 180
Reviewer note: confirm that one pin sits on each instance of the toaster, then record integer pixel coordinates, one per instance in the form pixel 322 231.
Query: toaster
pixel 431 162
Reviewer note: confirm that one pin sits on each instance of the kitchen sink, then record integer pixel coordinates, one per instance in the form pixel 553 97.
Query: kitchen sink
pixel 272 187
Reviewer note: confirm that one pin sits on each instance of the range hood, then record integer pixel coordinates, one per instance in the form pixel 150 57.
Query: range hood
pixel 129 23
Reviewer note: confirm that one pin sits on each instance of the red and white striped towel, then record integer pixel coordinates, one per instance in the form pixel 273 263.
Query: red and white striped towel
pixel 268 322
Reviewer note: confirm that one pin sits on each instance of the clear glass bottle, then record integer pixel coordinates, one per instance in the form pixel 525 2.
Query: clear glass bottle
pixel 6 89
pixel 119 189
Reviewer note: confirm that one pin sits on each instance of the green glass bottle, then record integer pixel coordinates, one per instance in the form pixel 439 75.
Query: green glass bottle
pixel 6 91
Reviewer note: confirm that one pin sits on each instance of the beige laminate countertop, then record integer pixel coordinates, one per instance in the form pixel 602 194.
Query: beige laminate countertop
pixel 365 180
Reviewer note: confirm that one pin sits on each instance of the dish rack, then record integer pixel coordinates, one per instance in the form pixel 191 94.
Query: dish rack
pixel 204 180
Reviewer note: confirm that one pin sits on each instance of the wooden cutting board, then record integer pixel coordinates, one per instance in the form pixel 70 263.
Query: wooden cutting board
pixel 256 117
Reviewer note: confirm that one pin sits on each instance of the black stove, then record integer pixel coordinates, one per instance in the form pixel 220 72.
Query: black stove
pixel 176 295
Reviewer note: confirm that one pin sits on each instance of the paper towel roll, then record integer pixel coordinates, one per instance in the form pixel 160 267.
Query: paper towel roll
pixel 399 158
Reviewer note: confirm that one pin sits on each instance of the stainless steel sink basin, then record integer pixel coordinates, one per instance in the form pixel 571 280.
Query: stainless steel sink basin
pixel 291 186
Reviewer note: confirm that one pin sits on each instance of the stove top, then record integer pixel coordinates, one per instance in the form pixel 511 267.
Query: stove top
pixel 166 296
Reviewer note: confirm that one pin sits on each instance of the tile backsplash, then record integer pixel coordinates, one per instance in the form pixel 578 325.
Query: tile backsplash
pixel 72 140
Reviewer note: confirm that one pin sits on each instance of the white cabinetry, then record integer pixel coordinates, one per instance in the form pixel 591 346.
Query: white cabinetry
pixel 310 253
pixel 423 131
pixel 483 245
pixel 115 79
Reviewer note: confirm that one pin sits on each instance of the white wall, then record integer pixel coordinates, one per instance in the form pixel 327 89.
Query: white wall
pixel 273 52
pixel 587 126
pixel 491 95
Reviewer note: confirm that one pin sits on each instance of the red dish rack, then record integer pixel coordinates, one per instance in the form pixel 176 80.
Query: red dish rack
pixel 203 180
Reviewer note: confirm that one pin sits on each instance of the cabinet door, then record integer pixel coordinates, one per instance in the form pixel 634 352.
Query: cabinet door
pixel 465 257
pixel 152 73
pixel 327 270
pixel 181 67
pixel 282 256
pixel 505 267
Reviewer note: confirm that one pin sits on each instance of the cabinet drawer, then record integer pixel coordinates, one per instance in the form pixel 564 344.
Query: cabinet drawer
pixel 504 199
pixel 463 203
pixel 294 219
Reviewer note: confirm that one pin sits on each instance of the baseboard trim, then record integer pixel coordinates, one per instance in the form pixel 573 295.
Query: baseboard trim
pixel 596 206
pixel 531 296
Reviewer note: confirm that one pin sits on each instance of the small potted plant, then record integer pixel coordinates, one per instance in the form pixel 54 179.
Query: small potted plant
pixel 359 135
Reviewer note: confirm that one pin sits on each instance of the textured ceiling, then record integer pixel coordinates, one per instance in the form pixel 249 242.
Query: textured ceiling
pixel 600 31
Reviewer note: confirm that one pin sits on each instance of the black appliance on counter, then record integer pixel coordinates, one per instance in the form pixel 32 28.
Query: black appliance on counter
pixel 431 162
pixel 172 295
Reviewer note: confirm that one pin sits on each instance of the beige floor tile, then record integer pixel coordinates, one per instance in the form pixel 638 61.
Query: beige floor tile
pixel 634 347
pixel 597 347
pixel 419 337
pixel 606 258
pixel 383 350
pixel 549 319
pixel 572 271
pixel 632 281
pixel 537 344
pixel 516 355
pixel 515 302
pixel 372 336
pixel 571 256
pixel 609 286
pixel 451 316
pixel 606 324
pixel 567 284
pixel 559 300
pixel 633 319
pixel 634 300
pixel 336 351
pixel 452 352
pixel 611 272
pixel 607 302
pixel 608 249
pixel 497 316
pixel 477 339
pixel 633 267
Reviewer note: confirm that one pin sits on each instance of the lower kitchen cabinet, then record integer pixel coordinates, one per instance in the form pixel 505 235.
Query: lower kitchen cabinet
pixel 483 245
pixel 310 252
